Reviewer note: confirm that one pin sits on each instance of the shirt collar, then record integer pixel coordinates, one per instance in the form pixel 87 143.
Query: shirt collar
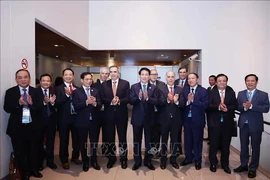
pixel 195 87
pixel 251 91
pixel 21 88
pixel 67 84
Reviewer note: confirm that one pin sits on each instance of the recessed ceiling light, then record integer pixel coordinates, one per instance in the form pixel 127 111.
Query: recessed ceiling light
pixel 162 55
pixel 185 55
pixel 56 45
pixel 71 60
pixel 56 56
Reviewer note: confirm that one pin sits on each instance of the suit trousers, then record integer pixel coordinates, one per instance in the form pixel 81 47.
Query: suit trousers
pixel 193 139
pixel 137 142
pixel 48 131
pixel 25 148
pixel 256 138
pixel 220 135
pixel 64 130
pixel 92 133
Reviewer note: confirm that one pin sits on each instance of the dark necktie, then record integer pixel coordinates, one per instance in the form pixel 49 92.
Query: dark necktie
pixel 182 84
pixel 24 95
pixel 47 106
pixel 192 90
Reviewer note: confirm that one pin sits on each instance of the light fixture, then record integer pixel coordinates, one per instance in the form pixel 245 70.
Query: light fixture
pixel 71 60
pixel 185 55
pixel 162 55
pixel 56 56
pixel 56 45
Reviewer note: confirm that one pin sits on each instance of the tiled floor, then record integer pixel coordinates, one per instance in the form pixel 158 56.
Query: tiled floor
pixel 117 173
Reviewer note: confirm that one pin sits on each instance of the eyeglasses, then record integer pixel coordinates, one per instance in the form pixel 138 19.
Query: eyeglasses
pixel 154 74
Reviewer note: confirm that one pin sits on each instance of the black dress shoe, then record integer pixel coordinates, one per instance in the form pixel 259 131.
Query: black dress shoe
pixel 85 167
pixel 150 166
pixel 36 174
pixel 110 163
pixel 26 177
pixel 227 170
pixel 136 166
pixel 251 174
pixel 163 165
pixel 213 168
pixel 185 162
pixel 175 165
pixel 40 168
pixel 241 169
pixel 52 166
pixel 198 166
pixel 95 165
pixel 124 164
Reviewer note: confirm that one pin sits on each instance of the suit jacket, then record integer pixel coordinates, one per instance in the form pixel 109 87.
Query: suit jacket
pixel 97 85
pixel 260 105
pixel 142 110
pixel 83 110
pixel 123 90
pixel 12 106
pixel 199 105
pixel 177 82
pixel 44 113
pixel 170 112
pixel 213 108
pixel 63 105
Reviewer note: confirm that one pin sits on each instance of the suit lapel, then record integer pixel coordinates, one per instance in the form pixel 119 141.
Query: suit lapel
pixel 255 96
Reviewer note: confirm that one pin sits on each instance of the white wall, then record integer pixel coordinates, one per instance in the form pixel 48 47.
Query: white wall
pixel 18 42
pixel 234 36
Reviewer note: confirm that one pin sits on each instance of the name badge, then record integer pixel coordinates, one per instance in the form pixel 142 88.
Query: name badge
pixel 26 116
pixel 90 117
pixel 189 113
pixel 221 119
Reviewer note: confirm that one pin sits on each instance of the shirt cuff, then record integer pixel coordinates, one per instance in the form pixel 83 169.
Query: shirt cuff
pixel 177 103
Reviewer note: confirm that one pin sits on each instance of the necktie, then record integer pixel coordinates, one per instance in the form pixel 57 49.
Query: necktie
pixel 222 96
pixel 249 95
pixel 182 83
pixel 192 90
pixel 88 92
pixel 171 92
pixel 24 95
pixel 48 106
pixel 114 88
pixel 70 89
pixel 144 89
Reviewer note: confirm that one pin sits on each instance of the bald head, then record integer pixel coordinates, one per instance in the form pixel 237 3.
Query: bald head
pixel 170 78
pixel 104 73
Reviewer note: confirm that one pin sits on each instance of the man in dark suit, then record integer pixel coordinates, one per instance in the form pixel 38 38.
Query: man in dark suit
pixel 48 121
pixel 196 98
pixel 212 83
pixel 155 129
pixel 222 104
pixel 115 97
pixel 171 101
pixel 181 82
pixel 24 105
pixel 252 103
pixel 66 119
pixel 143 97
pixel 86 103
pixel 104 74
pixel 183 74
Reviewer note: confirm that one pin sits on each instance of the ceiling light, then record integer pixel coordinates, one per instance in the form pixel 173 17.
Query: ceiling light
pixel 56 45
pixel 56 56
pixel 162 55
pixel 71 60
pixel 185 55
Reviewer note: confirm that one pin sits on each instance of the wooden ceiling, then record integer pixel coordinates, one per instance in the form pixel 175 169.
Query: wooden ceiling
pixel 46 42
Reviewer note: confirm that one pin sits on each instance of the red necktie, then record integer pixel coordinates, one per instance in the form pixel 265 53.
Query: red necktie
pixel 70 89
pixel 171 92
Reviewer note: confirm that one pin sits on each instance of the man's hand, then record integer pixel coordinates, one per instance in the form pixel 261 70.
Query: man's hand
pixel 223 107
pixel 52 99
pixel 190 97
pixel 175 98
pixel 67 91
pixel 140 94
